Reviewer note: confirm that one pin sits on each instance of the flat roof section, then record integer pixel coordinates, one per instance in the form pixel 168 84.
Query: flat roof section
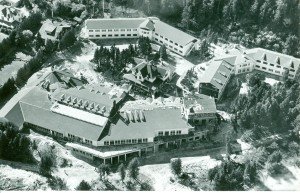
pixel 103 155
pixel 79 114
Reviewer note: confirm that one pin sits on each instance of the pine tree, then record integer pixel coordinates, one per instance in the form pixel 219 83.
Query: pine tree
pixel 68 39
pixel 228 149
pixel 84 186
pixel 103 170
pixel 133 168
pixel 122 171
pixel 187 15
pixel 176 166
pixel 163 52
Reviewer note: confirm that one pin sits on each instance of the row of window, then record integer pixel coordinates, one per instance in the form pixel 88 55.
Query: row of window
pixel 167 133
pixel 166 39
pixel 144 32
pixel 83 152
pixel 244 70
pixel 57 134
pixel 88 141
pixel 271 70
pixel 115 35
pixel 269 63
pixel 168 46
pixel 110 30
pixel 201 115
pixel 43 129
pixel 126 141
pixel 245 65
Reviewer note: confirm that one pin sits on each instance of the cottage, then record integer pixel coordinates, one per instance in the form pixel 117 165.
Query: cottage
pixel 9 17
pixel 149 76
pixel 53 30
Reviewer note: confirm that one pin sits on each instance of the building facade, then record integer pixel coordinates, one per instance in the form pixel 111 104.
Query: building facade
pixel 199 109
pixel 216 76
pixel 267 61
pixel 149 76
pixel 53 30
pixel 158 31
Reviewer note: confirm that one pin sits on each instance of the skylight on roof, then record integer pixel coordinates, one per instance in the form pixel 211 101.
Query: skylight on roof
pixel 79 114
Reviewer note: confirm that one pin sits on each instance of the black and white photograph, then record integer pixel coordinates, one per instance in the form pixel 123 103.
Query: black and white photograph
pixel 149 95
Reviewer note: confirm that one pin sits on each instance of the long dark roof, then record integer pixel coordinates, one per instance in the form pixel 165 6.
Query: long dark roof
pixel 34 108
pixel 172 33
pixel 114 23
pixel 217 73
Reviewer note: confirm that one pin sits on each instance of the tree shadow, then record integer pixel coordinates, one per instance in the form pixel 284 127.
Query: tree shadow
pixel 261 186
pixel 285 174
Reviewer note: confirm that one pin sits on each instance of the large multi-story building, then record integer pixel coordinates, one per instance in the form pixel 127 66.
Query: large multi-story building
pixel 216 76
pixel 218 71
pixel 99 123
pixel 199 109
pixel 158 31
pixel 266 61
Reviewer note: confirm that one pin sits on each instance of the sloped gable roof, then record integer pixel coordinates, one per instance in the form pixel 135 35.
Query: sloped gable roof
pixel 217 73
pixel 172 33
pixel 114 23
pixel 273 57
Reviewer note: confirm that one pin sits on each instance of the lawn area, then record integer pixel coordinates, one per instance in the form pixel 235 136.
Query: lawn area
pixel 160 174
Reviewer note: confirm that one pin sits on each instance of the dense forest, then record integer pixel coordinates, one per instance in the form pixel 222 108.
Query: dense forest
pixel 114 61
pixel 14 145
pixel 268 109
pixel 271 24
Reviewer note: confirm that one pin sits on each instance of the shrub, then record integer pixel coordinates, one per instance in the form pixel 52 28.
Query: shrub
pixel 275 157
pixel 64 163
pixel 176 166
pixel 294 148
pixel 83 186
pixel 122 171
pixel 297 163
pixel 172 180
pixel 133 168
pixel 46 165
pixel 274 168
pixel 34 145
pixel 146 186
pixel 103 170
pixel 57 183
pixel 130 185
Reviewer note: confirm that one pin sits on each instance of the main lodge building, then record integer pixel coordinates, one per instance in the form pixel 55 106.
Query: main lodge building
pixel 102 123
